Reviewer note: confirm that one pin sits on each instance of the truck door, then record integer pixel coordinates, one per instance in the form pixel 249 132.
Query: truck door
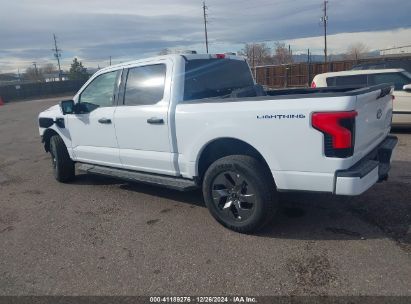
pixel 92 132
pixel 141 119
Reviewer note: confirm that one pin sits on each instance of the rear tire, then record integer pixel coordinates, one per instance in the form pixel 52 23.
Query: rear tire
pixel 239 192
pixel 63 166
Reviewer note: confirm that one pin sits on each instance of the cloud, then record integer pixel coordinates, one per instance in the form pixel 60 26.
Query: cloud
pixel 339 43
pixel 125 29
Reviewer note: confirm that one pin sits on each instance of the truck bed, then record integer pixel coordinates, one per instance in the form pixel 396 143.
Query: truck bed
pixel 279 126
pixel 326 91
pixel 294 93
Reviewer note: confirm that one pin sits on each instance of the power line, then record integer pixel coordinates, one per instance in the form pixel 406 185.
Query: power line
pixel 324 20
pixel 57 54
pixel 205 25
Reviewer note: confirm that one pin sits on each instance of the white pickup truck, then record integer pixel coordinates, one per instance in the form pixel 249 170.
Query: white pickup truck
pixel 187 121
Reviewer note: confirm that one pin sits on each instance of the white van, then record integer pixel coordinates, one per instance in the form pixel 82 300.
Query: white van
pixel 400 78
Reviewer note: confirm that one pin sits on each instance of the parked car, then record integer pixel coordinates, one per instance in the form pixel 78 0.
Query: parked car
pixel 188 121
pixel 400 78
pixel 397 63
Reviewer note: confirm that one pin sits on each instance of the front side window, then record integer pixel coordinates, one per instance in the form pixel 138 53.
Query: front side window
pixel 145 85
pixel 100 92
pixel 398 79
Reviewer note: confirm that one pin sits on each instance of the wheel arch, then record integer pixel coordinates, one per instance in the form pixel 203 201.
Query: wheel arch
pixel 225 146
pixel 48 133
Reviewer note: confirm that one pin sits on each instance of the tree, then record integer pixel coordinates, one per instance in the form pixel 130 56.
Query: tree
pixel 48 68
pixel 357 51
pixel 282 54
pixel 33 74
pixel 77 71
pixel 256 53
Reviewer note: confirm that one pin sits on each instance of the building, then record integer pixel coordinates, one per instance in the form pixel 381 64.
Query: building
pixel 402 50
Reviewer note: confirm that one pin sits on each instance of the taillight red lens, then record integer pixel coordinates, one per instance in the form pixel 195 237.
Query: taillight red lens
pixel 220 56
pixel 338 129
pixel 313 85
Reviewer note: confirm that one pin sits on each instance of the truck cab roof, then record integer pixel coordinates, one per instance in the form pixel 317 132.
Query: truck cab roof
pixel 173 56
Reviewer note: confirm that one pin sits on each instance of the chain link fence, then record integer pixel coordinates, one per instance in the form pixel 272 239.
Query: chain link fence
pixel 39 89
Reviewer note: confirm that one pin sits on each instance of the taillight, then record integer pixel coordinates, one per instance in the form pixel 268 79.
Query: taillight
pixel 313 85
pixel 338 129
pixel 220 56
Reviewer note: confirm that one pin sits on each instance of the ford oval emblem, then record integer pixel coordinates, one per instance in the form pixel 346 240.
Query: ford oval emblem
pixel 379 113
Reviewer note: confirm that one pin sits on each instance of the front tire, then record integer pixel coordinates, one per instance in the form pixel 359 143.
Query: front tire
pixel 239 192
pixel 63 166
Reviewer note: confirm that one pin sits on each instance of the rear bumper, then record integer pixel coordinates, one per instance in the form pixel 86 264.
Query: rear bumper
pixel 369 170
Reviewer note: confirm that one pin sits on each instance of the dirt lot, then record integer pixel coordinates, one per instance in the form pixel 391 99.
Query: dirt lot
pixel 100 236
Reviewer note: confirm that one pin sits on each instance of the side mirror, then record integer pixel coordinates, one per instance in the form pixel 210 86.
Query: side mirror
pixel 407 88
pixel 67 107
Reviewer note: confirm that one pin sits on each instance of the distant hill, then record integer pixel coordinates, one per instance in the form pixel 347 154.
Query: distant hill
pixel 320 58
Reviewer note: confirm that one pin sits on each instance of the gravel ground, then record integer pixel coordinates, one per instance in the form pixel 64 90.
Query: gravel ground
pixel 100 236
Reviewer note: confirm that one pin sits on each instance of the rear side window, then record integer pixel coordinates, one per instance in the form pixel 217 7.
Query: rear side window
pixel 145 85
pixel 206 78
pixel 398 79
pixel 353 80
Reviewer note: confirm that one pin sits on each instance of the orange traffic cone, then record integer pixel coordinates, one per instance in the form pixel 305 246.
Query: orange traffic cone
pixel 1 101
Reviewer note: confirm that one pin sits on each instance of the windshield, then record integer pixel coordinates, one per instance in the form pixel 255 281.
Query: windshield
pixel 408 74
pixel 207 78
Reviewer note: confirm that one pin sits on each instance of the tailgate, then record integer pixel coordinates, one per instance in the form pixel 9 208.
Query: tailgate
pixel 373 122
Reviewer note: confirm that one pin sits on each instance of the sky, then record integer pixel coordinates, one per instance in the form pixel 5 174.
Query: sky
pixel 94 30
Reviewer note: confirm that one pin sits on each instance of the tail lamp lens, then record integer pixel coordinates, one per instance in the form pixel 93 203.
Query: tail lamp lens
pixel 338 129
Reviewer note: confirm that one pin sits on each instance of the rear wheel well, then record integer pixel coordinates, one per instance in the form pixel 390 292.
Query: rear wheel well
pixel 46 138
pixel 224 147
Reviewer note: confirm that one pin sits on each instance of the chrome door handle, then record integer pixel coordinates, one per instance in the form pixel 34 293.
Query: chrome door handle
pixel 104 120
pixel 155 121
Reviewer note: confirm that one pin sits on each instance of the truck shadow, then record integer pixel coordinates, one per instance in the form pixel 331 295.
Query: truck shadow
pixel 381 212
pixel 384 210
pixel 90 180
pixel 194 197
pixel 326 217
pixel 403 130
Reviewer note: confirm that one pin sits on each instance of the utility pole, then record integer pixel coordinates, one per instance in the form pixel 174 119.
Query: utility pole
pixel 110 60
pixel 35 68
pixel 205 25
pixel 324 20
pixel 254 69
pixel 309 66
pixel 57 54
pixel 36 73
